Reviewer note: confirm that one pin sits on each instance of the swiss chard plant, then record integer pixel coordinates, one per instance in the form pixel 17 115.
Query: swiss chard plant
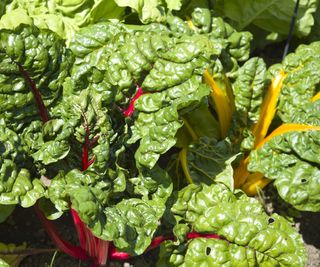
pixel 155 135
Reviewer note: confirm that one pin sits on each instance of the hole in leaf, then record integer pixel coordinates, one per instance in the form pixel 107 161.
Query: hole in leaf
pixel 303 181
pixel 270 221
pixel 208 251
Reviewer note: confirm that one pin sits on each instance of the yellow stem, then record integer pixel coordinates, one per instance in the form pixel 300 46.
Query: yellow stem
pixel 288 127
pixel 268 108
pixel 190 23
pixel 221 102
pixel 249 182
pixel 184 164
pixel 190 130
pixel 229 93
pixel 241 173
pixel 316 97
pixel 255 182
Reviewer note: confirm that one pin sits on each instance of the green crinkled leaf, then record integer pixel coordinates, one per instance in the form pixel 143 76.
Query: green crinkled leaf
pixel 249 236
pixel 130 224
pixel 64 186
pixel 294 168
pixel 63 17
pixel 54 151
pixel 193 200
pixel 272 16
pixel 209 160
pixel 198 12
pixel 157 133
pixel 291 158
pixel 157 130
pixel 17 186
pixel 151 10
pixel 153 184
pixel 301 83
pixel 8 257
pixel 89 203
pixel 91 40
pixel 248 89
pixel 31 60
pixel 167 65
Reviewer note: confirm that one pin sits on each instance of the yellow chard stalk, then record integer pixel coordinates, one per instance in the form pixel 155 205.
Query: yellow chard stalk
pixel 256 181
pixel 316 97
pixel 268 108
pixel 184 164
pixel 222 102
pixel 288 127
pixel 184 152
pixel 260 129
pixel 190 23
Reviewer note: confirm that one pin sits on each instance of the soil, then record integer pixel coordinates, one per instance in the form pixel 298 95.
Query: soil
pixel 23 226
pixel 308 226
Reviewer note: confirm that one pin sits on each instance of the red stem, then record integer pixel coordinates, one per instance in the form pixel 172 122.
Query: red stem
pixel 129 111
pixel 37 96
pixel 62 245
pixel 119 255
pixel 96 248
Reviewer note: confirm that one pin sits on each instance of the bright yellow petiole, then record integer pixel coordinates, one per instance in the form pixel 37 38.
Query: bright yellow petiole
pixel 288 127
pixel 241 173
pixel 184 151
pixel 184 164
pixel 316 97
pixel 260 129
pixel 255 181
pixel 268 109
pixel 252 182
pixel 190 23
pixel 190 130
pixel 221 102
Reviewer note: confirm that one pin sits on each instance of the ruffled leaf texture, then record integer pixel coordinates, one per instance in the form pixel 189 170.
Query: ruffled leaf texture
pixel 17 185
pixel 129 222
pixel 33 63
pixel 248 84
pixel 248 89
pixel 30 59
pixel 62 17
pixel 301 82
pixel 151 11
pixel 291 158
pixel 168 65
pixel 248 236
